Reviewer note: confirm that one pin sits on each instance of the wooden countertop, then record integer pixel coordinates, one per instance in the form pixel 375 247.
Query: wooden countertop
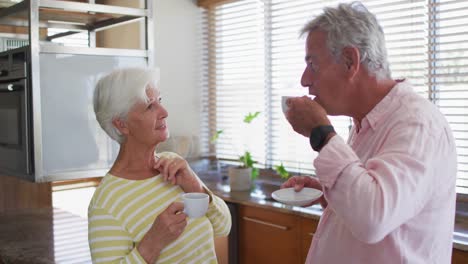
pixel 43 236
pixel 260 196
pixel 55 236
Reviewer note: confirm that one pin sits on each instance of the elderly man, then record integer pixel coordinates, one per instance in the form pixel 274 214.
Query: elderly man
pixel 391 188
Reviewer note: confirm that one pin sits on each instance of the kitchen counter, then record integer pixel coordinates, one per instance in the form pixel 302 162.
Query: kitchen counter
pixel 43 236
pixel 52 235
pixel 260 196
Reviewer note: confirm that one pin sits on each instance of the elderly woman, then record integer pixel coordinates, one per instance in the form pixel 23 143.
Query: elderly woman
pixel 135 215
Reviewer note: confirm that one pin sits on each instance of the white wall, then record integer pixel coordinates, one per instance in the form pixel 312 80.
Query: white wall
pixel 176 34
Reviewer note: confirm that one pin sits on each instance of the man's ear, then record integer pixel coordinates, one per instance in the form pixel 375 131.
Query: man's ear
pixel 120 125
pixel 351 59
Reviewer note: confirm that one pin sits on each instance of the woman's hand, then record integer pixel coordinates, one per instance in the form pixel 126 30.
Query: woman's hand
pixel 167 227
pixel 177 171
pixel 299 182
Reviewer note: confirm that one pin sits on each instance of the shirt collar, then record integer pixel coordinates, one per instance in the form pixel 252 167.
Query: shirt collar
pixel 383 108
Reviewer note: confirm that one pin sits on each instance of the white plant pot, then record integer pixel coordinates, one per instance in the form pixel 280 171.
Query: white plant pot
pixel 240 178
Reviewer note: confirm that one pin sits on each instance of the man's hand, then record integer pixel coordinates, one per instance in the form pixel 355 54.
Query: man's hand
pixel 299 182
pixel 304 114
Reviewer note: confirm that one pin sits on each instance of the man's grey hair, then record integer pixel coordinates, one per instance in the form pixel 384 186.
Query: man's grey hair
pixel 352 25
pixel 117 92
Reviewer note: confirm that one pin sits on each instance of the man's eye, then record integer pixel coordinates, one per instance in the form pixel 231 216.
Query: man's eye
pixel 160 99
pixel 312 67
pixel 150 106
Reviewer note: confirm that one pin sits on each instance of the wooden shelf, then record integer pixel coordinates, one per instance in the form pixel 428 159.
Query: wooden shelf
pixel 84 16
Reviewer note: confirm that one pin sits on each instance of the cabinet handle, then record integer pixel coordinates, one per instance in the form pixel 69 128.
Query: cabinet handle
pixel 265 223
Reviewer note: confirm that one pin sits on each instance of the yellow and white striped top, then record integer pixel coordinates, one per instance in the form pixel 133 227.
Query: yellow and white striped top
pixel 122 211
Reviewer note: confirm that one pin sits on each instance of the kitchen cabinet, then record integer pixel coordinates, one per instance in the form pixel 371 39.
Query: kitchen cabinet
pixel 20 194
pixel 61 139
pixel 267 236
pixel 459 256
pixel 307 230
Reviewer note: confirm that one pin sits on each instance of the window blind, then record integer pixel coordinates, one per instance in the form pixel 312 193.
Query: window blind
pixel 449 73
pixel 236 78
pixel 253 55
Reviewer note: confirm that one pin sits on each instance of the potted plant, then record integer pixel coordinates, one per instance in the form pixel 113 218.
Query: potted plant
pixel 241 177
pixel 282 172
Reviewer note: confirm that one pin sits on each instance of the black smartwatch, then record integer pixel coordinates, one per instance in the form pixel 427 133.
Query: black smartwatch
pixel 319 135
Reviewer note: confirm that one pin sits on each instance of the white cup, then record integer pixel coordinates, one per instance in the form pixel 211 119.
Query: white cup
pixel 195 204
pixel 284 106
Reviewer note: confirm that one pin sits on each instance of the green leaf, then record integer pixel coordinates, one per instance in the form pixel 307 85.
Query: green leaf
pixel 216 136
pixel 281 170
pixel 255 173
pixel 250 117
pixel 247 160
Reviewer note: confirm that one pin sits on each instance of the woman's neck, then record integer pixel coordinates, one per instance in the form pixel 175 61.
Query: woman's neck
pixel 134 162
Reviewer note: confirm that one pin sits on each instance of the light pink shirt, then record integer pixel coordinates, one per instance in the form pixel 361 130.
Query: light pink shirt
pixel 391 188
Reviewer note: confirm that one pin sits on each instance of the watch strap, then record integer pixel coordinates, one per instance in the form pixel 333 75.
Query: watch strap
pixel 318 136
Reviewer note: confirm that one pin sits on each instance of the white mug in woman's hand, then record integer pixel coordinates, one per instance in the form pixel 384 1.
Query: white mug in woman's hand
pixel 195 204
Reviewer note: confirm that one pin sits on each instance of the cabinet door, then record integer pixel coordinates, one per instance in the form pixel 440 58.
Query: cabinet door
pixel 307 231
pixel 268 237
pixel 73 143
pixel 459 256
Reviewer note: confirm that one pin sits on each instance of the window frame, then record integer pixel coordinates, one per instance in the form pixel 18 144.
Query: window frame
pixel 431 45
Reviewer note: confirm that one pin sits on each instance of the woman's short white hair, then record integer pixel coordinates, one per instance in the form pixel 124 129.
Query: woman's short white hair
pixel 352 25
pixel 117 92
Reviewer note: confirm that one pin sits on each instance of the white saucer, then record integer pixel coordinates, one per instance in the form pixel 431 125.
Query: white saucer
pixel 290 197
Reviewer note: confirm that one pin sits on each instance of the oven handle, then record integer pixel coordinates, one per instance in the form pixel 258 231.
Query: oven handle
pixel 11 87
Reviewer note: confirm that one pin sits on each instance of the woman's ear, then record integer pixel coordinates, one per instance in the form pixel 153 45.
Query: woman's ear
pixel 120 125
pixel 351 59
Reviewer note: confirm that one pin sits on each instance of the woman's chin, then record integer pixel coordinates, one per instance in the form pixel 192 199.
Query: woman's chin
pixel 164 135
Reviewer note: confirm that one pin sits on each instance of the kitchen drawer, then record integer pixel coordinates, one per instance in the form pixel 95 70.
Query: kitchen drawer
pixel 307 231
pixel 268 237
pixel 459 256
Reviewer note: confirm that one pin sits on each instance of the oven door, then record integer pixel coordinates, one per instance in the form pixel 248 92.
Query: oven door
pixel 15 130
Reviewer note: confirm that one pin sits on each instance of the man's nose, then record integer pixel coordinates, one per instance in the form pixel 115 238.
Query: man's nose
pixel 305 79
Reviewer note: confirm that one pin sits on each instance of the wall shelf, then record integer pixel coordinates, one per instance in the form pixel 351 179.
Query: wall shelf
pixel 75 17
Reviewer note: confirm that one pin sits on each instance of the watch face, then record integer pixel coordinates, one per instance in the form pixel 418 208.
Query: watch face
pixel 315 139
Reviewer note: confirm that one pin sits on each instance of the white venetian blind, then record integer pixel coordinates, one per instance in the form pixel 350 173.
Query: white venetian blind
pixel 287 52
pixel 449 80
pixel 236 78
pixel 256 56
pixel 404 23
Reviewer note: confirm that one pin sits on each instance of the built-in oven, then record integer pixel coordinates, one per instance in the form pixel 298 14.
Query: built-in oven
pixel 16 148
